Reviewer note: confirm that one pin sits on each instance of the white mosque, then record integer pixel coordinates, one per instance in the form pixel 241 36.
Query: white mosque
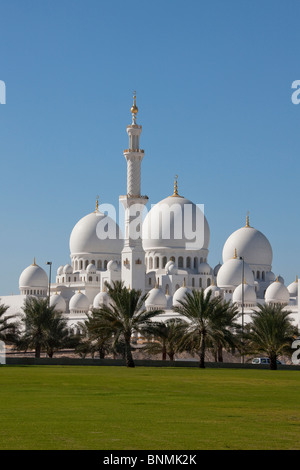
pixel 164 253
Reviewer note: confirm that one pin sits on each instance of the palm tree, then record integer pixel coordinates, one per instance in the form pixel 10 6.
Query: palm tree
pixel 45 328
pixel 225 327
pixel 8 328
pixel 206 323
pixel 125 315
pixel 94 338
pixel 167 336
pixel 270 332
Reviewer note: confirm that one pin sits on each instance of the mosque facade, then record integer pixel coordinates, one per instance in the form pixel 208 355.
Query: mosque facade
pixel 164 254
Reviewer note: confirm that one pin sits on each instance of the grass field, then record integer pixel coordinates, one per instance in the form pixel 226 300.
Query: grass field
pixel 70 407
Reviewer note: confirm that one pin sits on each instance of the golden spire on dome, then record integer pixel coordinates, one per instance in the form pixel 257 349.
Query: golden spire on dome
pixel 247 221
pixel 183 285
pixel 175 193
pixel 167 290
pixel 34 264
pixel 97 204
pixel 134 108
pixel 235 254
pixel 277 280
pixel 296 279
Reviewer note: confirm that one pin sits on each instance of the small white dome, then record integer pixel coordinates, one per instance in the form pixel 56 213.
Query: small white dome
pixel 57 301
pixel 214 289
pixel 216 269
pixel 68 269
pixel 33 277
pixel 293 288
pixel 112 266
pixel 270 276
pixel 204 268
pixel 102 298
pixel 79 302
pixel 171 267
pixel 277 293
pixel 91 269
pixel 60 270
pixel 179 295
pixel 156 299
pixel 249 295
pixel 231 274
pixel 251 244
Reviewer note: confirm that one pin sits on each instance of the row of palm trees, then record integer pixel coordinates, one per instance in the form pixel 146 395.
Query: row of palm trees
pixel 205 323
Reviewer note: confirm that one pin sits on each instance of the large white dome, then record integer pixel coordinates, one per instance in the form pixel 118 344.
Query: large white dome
pixel 96 233
pixel 293 288
pixel 33 277
pixel 180 295
pixel 250 244
pixel 231 274
pixel 172 224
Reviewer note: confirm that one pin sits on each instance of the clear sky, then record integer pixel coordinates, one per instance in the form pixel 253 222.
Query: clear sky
pixel 213 81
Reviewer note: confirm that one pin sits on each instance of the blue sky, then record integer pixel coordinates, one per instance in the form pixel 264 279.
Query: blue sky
pixel 213 81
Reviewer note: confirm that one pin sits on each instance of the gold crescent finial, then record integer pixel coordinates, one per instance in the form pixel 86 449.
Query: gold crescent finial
pixel 235 254
pixel 33 264
pixel 134 108
pixel 175 193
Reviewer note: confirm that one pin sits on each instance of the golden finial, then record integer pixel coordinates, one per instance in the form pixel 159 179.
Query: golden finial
pixel 183 285
pixel 33 264
pixel 247 220
pixel 97 204
pixel 12 293
pixel 296 279
pixel 277 280
pixel 155 285
pixel 244 280
pixel 175 194
pixel 134 108
pixel 79 291
pixel 213 282
pixel 167 290
pixel 235 254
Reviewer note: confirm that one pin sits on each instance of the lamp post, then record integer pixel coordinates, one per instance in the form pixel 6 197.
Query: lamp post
pixel 50 265
pixel 243 284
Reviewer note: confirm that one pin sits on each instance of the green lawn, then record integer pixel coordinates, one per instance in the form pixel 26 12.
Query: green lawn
pixel 70 407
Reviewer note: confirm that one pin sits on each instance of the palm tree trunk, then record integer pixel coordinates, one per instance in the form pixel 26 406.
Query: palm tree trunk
pixel 202 352
pixel 164 353
pixel 220 353
pixel 38 351
pixel 273 362
pixel 171 356
pixel 128 354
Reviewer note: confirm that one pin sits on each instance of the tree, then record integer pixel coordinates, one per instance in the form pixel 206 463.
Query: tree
pixel 95 338
pixel 208 322
pixel 45 328
pixel 270 332
pixel 167 336
pixel 8 328
pixel 125 315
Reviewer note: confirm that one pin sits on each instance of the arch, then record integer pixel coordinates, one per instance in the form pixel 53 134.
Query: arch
pixel 150 281
pixel 263 276
pixel 90 279
pixel 172 258
pixel 93 262
pixel 195 262
pixel 105 264
pixel 180 262
pixel 86 263
pixel 201 260
pixel 164 261
pixel 151 263
pixel 208 282
pixel 80 264
pixel 200 282
pixel 156 262
pixel 69 279
pixel 258 275
pixel 188 262
pixel 193 282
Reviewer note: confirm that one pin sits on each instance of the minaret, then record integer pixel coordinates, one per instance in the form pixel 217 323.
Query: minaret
pixel 133 255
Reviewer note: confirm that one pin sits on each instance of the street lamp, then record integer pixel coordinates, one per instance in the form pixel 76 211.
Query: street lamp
pixel 243 284
pixel 50 264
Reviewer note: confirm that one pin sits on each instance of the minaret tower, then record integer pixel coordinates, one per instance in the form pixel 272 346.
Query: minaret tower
pixel 133 255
